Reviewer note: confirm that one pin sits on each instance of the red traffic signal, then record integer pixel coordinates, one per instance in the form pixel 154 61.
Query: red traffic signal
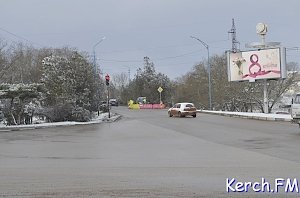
pixel 107 78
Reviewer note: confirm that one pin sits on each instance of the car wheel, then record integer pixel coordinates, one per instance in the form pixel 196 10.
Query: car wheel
pixel 170 114
pixel 194 115
pixel 180 115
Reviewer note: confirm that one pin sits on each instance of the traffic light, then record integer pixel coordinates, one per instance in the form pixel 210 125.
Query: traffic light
pixel 107 79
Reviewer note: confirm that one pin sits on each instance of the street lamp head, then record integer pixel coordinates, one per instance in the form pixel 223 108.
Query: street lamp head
pixel 103 38
pixel 203 43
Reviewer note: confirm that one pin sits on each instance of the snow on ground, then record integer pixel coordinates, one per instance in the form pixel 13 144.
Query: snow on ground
pixel 248 114
pixel 96 119
pixel 102 116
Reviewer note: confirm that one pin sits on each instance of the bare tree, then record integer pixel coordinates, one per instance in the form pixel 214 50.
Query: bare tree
pixel 120 80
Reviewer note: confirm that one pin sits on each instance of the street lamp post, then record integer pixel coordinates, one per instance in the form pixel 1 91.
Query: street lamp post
pixel 208 68
pixel 95 68
pixel 94 52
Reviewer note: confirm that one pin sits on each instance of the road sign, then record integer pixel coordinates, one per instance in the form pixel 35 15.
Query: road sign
pixel 160 89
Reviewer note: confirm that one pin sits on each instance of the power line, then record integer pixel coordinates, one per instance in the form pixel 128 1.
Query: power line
pixel 145 49
pixel 158 59
pixel 292 48
pixel 158 47
pixel 19 37
pixel 178 56
pixel 120 61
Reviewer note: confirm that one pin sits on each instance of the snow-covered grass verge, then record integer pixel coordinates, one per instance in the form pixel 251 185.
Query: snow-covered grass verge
pixel 97 119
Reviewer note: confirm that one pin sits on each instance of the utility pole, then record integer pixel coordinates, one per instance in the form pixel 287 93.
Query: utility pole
pixel 233 38
pixel 128 72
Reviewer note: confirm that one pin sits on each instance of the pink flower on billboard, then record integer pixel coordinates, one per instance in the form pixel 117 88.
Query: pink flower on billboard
pixel 255 68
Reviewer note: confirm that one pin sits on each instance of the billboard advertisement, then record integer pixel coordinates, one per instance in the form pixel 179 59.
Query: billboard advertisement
pixel 256 64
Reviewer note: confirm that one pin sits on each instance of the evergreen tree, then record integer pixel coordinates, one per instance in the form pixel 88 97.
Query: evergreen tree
pixel 146 83
pixel 69 79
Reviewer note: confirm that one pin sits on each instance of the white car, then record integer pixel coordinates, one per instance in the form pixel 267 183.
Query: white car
pixel 183 109
pixel 114 102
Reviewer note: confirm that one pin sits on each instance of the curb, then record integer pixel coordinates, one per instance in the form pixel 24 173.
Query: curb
pixel 112 118
pixel 247 117
pixel 13 128
pixel 31 127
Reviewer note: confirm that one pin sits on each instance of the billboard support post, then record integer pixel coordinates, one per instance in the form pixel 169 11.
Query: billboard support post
pixel 263 33
pixel 266 105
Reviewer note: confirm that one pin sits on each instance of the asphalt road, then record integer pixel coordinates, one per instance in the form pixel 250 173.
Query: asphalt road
pixel 148 154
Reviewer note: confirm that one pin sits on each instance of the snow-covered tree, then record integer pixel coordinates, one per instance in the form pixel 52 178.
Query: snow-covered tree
pixel 18 97
pixel 69 80
pixel 54 77
pixel 81 80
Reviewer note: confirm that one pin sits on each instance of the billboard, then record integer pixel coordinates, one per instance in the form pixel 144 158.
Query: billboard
pixel 256 64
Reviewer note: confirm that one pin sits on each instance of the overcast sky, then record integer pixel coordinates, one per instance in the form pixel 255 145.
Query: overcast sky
pixel 159 29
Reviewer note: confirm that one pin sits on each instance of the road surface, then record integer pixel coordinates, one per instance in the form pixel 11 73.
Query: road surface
pixel 148 154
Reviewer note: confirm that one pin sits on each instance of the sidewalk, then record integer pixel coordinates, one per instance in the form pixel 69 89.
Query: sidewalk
pixel 248 115
pixel 99 119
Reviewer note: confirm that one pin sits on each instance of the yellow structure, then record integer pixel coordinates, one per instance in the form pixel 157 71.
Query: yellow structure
pixel 131 105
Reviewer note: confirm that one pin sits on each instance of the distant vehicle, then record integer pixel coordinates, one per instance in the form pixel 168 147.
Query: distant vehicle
pixel 103 106
pixel 182 110
pixel 114 102
pixel 1 113
pixel 141 100
pixel 1 116
pixel 295 109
